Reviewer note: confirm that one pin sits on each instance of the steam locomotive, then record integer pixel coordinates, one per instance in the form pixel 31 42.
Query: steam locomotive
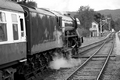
pixel 30 37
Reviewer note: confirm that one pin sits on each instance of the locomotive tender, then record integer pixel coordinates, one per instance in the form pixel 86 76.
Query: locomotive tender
pixel 29 36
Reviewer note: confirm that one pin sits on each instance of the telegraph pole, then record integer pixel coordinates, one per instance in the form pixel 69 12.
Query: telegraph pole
pixel 109 25
pixel 100 27
pixel 109 22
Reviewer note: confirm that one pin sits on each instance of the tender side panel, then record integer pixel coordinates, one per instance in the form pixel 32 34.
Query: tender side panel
pixel 47 46
pixel 41 26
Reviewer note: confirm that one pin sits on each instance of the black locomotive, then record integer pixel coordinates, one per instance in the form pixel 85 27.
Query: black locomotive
pixel 30 37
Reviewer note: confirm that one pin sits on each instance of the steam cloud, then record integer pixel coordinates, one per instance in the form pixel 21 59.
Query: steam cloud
pixel 61 62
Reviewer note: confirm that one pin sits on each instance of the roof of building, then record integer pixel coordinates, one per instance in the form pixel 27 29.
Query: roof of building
pixel 95 22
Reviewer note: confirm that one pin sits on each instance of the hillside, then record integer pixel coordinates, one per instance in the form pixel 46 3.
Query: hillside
pixel 115 13
pixel 72 13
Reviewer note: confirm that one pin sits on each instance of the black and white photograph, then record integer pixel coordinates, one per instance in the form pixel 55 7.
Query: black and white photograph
pixel 59 39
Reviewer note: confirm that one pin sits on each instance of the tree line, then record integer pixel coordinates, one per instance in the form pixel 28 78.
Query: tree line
pixel 87 15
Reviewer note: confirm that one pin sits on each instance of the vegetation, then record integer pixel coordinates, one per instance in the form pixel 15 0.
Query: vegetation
pixel 117 25
pixel 86 15
pixel 31 3
pixel 26 2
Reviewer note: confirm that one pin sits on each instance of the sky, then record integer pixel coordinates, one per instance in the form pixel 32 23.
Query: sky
pixel 74 5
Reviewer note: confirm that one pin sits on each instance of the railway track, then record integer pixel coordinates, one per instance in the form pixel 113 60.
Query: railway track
pixel 93 45
pixel 85 49
pixel 93 67
pixel 63 72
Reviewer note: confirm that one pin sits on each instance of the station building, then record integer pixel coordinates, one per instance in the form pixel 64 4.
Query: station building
pixel 94 29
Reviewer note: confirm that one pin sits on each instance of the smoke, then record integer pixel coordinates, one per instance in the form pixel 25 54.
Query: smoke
pixel 60 62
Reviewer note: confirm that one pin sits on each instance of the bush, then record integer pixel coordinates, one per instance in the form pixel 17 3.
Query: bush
pixel 84 32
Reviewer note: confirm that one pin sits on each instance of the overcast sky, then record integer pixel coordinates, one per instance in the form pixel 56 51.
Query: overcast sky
pixel 74 5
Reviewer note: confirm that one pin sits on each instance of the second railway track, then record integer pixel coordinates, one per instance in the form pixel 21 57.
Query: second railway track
pixel 93 67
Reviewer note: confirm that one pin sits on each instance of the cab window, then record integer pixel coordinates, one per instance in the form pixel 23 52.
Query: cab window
pixel 3 29
pixel 15 27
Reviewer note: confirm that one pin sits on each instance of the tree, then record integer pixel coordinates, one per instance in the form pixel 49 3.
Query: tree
pixel 112 24
pixel 86 16
pixel 117 24
pixel 105 26
pixel 31 3
pixel 98 17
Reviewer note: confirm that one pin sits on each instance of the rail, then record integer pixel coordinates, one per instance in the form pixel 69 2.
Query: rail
pixel 86 61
